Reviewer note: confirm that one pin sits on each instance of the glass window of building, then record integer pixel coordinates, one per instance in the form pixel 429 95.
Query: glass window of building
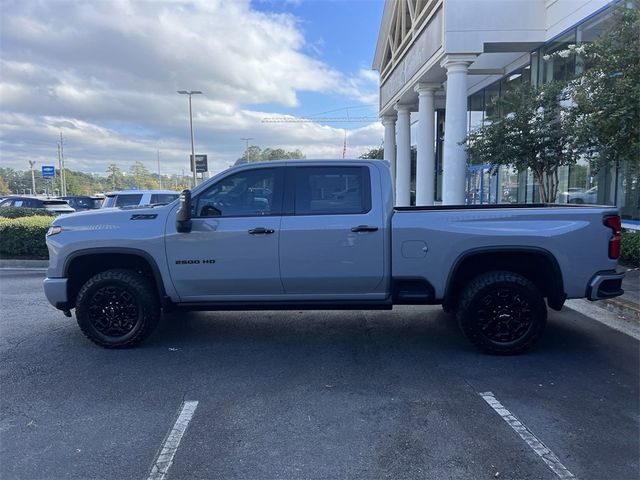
pixel 491 96
pixel 476 110
pixel 508 84
pixel 589 31
pixel 558 62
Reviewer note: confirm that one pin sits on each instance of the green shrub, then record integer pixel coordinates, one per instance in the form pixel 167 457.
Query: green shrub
pixel 18 212
pixel 630 254
pixel 24 237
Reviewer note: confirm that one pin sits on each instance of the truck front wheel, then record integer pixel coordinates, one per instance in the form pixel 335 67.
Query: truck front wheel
pixel 117 309
pixel 502 313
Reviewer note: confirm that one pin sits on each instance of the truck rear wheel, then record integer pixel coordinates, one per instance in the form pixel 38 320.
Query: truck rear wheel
pixel 502 313
pixel 117 309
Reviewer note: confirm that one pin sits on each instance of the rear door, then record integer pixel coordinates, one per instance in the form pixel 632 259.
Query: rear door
pixel 332 236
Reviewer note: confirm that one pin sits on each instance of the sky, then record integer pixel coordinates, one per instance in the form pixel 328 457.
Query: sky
pixel 104 73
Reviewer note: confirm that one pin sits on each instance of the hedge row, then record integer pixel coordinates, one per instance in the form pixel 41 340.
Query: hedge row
pixel 18 212
pixel 630 254
pixel 24 237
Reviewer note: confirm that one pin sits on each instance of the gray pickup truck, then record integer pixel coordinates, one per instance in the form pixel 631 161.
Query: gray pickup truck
pixel 325 235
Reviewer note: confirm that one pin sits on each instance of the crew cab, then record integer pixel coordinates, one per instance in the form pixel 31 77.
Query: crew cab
pixel 325 235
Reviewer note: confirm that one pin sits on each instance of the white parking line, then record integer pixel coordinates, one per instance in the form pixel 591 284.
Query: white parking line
pixel 536 445
pixel 170 445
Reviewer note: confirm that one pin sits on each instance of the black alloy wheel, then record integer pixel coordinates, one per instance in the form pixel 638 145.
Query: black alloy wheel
pixel 113 311
pixel 502 312
pixel 117 308
pixel 504 315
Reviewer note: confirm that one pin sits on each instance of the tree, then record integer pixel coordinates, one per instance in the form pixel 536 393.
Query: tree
pixel 256 154
pixel 4 187
pixel 536 131
pixel 142 176
pixel 116 177
pixel 374 154
pixel 607 93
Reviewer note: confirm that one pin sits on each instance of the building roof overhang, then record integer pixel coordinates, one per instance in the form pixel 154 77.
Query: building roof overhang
pixel 385 27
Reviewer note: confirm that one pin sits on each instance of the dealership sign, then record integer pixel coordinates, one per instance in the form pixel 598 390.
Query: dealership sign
pixel 201 164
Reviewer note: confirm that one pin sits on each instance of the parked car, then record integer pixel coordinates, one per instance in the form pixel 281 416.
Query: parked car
pixel 325 235
pixel 579 195
pixel 127 198
pixel 52 204
pixel 84 202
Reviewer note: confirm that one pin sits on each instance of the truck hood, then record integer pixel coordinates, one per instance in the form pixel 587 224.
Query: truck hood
pixel 111 216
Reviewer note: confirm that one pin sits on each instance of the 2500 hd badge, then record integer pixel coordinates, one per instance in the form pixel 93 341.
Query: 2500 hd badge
pixel 194 262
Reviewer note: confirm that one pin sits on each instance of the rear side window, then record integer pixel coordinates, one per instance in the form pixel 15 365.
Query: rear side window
pixel 127 200
pixel 163 198
pixel 332 190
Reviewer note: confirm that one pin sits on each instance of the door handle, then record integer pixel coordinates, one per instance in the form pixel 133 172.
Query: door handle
pixel 364 228
pixel 261 231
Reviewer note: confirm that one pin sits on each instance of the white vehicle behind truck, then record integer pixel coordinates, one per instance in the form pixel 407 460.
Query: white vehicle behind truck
pixel 325 235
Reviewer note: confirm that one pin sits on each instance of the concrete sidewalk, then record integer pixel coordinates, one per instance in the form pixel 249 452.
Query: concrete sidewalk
pixel 23 263
pixel 627 305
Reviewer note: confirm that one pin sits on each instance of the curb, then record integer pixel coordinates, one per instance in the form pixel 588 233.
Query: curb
pixel 20 263
pixel 625 308
pixel 599 312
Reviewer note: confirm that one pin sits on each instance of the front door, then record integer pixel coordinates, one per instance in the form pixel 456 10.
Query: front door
pixel 231 252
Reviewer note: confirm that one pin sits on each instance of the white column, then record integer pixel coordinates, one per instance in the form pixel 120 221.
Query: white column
pixel 426 161
pixel 403 159
pixel 455 129
pixel 389 122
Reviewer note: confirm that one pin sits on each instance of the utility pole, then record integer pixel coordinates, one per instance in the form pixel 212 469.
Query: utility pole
pixel 246 149
pixel 63 177
pixel 33 177
pixel 159 177
pixel 59 169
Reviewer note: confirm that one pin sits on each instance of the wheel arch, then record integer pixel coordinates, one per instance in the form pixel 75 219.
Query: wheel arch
pixel 83 264
pixel 537 264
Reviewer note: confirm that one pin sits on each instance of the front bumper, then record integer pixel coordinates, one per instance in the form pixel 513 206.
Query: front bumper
pixel 605 285
pixel 55 289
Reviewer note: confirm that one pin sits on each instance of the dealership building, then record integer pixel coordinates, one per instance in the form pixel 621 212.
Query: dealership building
pixel 442 63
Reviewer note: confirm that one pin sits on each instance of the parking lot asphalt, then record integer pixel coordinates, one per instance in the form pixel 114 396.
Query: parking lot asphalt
pixel 316 395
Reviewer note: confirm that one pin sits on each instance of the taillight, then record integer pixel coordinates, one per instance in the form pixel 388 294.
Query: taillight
pixel 613 222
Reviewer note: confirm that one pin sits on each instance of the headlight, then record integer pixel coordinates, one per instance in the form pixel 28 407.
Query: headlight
pixel 53 230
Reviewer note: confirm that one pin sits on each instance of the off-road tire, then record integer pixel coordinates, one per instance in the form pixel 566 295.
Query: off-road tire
pixel 117 309
pixel 502 313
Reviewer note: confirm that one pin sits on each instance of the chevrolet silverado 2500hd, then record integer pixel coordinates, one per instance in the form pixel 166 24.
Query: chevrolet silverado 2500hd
pixel 325 235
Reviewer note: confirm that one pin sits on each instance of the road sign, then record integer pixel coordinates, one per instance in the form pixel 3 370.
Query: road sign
pixel 48 171
pixel 201 164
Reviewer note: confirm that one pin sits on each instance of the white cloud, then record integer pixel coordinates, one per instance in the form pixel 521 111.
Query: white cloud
pixel 105 73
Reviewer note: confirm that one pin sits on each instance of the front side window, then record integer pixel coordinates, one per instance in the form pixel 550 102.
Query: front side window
pixel 332 190
pixel 244 194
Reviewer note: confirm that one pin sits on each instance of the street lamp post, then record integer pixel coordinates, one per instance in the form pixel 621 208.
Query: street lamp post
pixel 33 177
pixel 193 151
